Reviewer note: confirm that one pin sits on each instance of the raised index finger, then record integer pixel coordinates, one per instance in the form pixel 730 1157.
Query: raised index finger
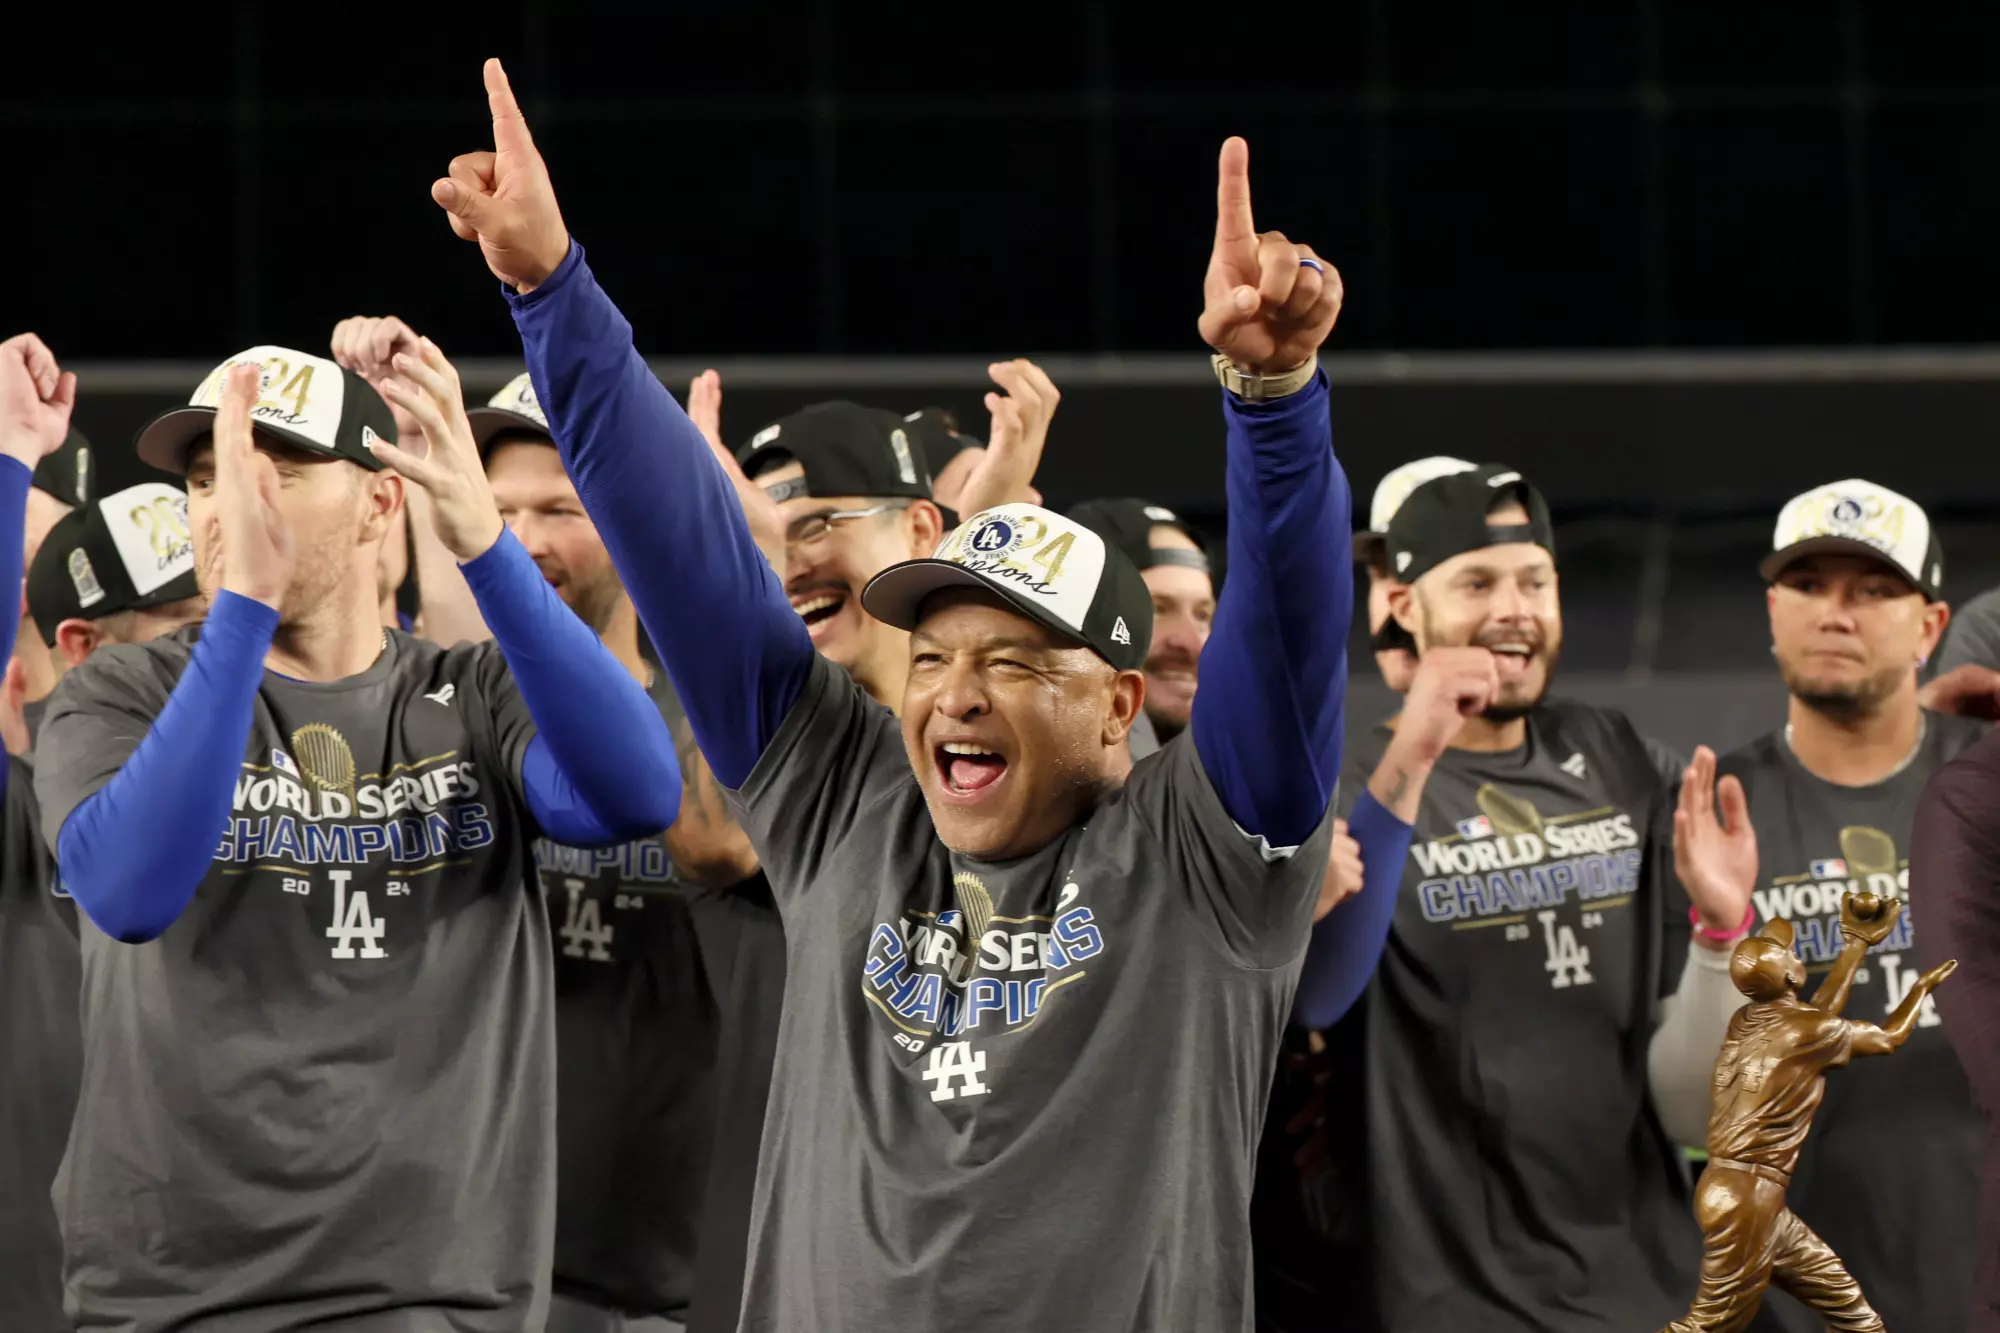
pixel 510 127
pixel 1233 223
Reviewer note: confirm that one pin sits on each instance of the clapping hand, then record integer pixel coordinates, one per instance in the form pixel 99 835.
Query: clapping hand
pixel 462 509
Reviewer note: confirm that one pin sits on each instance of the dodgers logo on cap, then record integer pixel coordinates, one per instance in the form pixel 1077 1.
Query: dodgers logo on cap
pixel 992 537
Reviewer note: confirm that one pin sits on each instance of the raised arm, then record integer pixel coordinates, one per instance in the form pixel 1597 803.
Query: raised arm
pixel 1267 723
pixel 601 768
pixel 737 653
pixel 171 774
pixel 36 396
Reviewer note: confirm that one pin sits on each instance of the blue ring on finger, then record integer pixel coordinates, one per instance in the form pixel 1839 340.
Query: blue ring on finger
pixel 1314 265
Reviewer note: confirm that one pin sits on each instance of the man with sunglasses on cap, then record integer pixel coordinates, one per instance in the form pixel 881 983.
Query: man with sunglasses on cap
pixel 1514 1174
pixel 991 915
pixel 39 1045
pixel 318 1049
pixel 1819 809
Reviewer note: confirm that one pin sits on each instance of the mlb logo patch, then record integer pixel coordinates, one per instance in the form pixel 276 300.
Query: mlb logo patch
pixel 283 763
pixel 1479 826
pixel 1831 868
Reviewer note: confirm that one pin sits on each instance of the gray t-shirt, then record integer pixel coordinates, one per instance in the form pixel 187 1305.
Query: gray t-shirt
pixel 41 1054
pixel 1973 635
pixel 1505 1168
pixel 325 1095
pixel 635 1042
pixel 1011 1095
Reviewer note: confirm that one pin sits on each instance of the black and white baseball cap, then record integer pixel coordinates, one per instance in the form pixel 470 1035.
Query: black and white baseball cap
pixel 1128 525
pixel 1859 517
pixel 845 449
pixel 1395 488
pixel 1446 516
pixel 514 410
pixel 65 474
pixel 1052 569
pixel 132 549
pixel 306 401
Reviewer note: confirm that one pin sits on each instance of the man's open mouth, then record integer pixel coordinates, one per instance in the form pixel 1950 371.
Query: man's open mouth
pixel 818 608
pixel 968 769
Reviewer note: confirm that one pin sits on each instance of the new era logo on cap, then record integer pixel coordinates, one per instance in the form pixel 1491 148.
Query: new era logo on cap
pixel 300 393
pixel 1862 516
pixel 1051 567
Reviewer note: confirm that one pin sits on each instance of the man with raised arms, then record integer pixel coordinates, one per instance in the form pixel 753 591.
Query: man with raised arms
pixel 1035 992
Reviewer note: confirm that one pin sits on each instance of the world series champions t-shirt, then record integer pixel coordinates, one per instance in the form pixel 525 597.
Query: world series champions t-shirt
pixel 635 1049
pixel 325 1095
pixel 41 1058
pixel 1889 1175
pixel 1019 1094
pixel 1502 1134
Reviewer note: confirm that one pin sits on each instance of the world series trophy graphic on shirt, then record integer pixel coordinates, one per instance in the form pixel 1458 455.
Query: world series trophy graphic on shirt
pixel 1769 1080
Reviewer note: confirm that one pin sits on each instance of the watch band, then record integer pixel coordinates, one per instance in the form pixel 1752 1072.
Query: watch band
pixel 1262 388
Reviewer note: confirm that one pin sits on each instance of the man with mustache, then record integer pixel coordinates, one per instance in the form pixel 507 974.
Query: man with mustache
pixel 1514 1175
pixel 991 914
pixel 1820 808
pixel 852 487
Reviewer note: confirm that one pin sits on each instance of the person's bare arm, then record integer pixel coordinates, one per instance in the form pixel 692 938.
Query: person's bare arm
pixel 707 845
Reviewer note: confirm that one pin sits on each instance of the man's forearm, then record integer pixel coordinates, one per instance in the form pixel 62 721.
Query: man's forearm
pixel 736 652
pixel 1274 673
pixel 1398 781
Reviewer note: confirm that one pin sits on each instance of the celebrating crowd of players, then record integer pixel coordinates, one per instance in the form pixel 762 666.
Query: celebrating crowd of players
pixel 813 886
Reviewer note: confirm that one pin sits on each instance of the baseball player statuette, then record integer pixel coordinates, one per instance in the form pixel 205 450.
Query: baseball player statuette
pixel 1769 1080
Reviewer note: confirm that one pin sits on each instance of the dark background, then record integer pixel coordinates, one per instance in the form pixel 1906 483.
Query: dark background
pixel 1662 192
pixel 901 178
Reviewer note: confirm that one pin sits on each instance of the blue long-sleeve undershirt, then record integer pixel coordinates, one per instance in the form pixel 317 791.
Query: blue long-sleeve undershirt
pixel 1267 722
pixel 15 479
pixel 1269 734
pixel 736 651
pixel 1348 941
pixel 178 785
pixel 600 769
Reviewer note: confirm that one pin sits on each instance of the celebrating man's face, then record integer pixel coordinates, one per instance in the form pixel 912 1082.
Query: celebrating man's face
pixel 1502 598
pixel 539 503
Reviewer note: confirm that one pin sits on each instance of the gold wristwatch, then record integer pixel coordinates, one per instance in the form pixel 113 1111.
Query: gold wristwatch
pixel 1262 388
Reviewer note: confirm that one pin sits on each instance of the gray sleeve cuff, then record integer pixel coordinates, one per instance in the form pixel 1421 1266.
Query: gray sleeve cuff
pixel 1680 1063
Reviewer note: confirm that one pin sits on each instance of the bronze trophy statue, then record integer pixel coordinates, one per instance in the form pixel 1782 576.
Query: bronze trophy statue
pixel 1769 1080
